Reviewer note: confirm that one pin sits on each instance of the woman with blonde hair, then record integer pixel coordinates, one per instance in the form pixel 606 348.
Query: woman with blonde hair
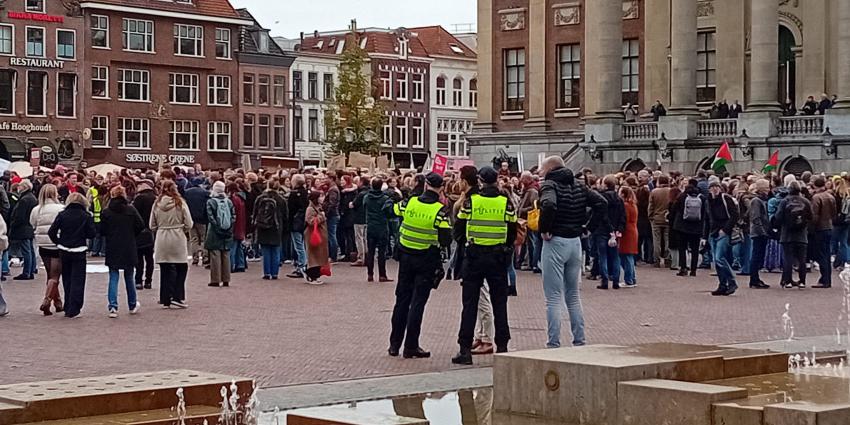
pixel 41 218
pixel 841 224
pixel 170 222
pixel 70 231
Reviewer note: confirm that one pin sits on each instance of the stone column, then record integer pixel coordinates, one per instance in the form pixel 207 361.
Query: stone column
pixel 656 70
pixel 683 51
pixel 486 104
pixel 843 87
pixel 764 47
pixel 730 38
pixel 536 59
pixel 603 55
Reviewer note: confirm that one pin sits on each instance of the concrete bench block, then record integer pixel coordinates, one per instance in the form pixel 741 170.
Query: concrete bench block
pixel 345 416
pixel 660 401
pixel 806 413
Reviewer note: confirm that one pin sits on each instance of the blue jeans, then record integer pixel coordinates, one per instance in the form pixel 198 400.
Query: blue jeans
pixel 333 246
pixel 511 274
pixel 4 265
pixel 822 255
pixel 757 260
pixel 98 245
pixel 3 307
pixel 722 254
pixel 560 260
pixel 300 252
pixel 608 259
pixel 237 257
pixel 743 253
pixel 271 259
pixel 129 283
pixel 628 262
pixel 839 241
pixel 30 261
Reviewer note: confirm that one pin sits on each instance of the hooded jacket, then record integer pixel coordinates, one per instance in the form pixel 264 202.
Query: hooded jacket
pixel 72 228
pixel 143 203
pixel 120 224
pixel 196 197
pixel 379 209
pixel 170 224
pixel 677 220
pixel 19 223
pixel 564 205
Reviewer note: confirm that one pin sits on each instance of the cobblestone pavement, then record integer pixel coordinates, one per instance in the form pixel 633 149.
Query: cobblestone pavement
pixel 285 332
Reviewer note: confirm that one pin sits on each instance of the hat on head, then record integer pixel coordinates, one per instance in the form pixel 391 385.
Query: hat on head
pixel 715 183
pixel 434 180
pixel 488 175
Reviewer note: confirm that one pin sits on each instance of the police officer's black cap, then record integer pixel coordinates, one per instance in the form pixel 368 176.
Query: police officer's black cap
pixel 488 175
pixel 434 180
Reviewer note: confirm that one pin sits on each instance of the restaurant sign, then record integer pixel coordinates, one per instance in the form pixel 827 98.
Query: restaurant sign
pixel 156 158
pixel 40 17
pixel 36 63
pixel 26 128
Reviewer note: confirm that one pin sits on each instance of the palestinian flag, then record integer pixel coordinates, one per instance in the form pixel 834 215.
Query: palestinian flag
pixel 772 163
pixel 722 157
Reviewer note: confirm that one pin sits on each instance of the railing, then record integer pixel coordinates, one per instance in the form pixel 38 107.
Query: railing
pixel 640 130
pixel 710 129
pixel 806 125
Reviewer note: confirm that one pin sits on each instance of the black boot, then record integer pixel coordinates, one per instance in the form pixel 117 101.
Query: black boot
pixel 463 357
pixel 393 351
pixel 731 288
pixel 418 353
pixel 720 291
pixel 682 272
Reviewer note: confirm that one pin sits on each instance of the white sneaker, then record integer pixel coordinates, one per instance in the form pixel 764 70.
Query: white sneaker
pixel 113 313
pixel 179 304
pixel 317 282
pixel 166 307
pixel 137 308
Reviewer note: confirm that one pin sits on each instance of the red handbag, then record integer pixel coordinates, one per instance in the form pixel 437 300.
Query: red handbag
pixel 316 236
pixel 325 270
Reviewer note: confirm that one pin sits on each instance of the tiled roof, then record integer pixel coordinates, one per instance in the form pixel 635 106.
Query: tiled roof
pixel 218 8
pixel 376 41
pixel 439 42
pixel 248 43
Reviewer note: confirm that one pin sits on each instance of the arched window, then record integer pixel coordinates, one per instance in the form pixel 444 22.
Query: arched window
pixel 457 92
pixel 634 165
pixel 473 93
pixel 441 91
pixel 797 166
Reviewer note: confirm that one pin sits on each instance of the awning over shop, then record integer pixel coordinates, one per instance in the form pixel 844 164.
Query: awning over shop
pixel 12 149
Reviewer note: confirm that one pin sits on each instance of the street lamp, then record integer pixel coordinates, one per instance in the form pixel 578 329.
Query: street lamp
pixel 743 142
pixel 592 149
pixel 828 141
pixel 663 147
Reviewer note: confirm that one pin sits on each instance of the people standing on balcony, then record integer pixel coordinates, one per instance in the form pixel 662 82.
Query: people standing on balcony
pixel 724 109
pixel 788 109
pixel 735 110
pixel 810 107
pixel 825 103
pixel 630 113
pixel 658 110
pixel 714 112
pixel 659 202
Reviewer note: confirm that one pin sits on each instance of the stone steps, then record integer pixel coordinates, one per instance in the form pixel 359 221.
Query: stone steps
pixel 195 415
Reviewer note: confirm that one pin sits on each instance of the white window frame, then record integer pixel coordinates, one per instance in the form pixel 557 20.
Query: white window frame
pixel 386 84
pixel 194 88
pixel 268 88
pixel 457 93
pixel 14 93
pixel 43 41
pixel 275 132
pixel 401 86
pixel 145 84
pixel 418 132
pixel 43 94
pixel 473 94
pixel 75 94
pixel 264 128
pixel 213 87
pixel 105 130
pixel 150 38
pixel 216 129
pixel 401 131
pixel 42 10
pixel 441 91
pixel 253 126
pixel 199 40
pixel 279 90
pixel 92 29
pixel 418 94
pixel 229 50
pixel 74 32
pixel 388 131
pixel 193 131
pixel 144 133
pixel 318 133
pixel 95 75
pixel 12 40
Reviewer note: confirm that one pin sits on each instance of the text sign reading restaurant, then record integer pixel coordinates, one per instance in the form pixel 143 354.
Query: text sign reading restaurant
pixel 155 158
pixel 36 17
pixel 26 128
pixel 36 63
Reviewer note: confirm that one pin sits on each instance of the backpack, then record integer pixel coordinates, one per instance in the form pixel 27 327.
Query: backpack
pixel 795 214
pixel 266 211
pixel 222 215
pixel 693 208
pixel 845 209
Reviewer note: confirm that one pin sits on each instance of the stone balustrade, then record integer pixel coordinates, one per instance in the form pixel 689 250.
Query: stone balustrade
pixel 806 125
pixel 640 130
pixel 717 128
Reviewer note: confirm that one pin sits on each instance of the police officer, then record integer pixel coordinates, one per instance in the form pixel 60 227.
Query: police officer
pixel 489 221
pixel 424 230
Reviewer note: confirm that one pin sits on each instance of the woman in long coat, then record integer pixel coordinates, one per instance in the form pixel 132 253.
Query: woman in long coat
pixel 317 253
pixel 629 241
pixel 121 224
pixel 171 222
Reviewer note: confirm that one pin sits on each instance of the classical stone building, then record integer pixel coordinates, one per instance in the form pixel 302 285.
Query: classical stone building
pixel 560 72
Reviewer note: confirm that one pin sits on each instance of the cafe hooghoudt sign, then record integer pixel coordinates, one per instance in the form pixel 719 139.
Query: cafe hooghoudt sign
pixel 26 128
pixel 156 158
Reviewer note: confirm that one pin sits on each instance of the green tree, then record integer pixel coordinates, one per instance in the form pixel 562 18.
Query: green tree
pixel 354 122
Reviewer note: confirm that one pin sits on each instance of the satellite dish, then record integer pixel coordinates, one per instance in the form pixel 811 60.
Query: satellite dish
pixel 87 134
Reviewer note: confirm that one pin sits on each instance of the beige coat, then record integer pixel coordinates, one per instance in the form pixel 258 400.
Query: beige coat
pixel 317 256
pixel 170 225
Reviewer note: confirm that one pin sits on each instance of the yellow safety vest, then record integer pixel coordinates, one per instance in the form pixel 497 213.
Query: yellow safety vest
pixel 487 220
pixel 420 222
pixel 95 202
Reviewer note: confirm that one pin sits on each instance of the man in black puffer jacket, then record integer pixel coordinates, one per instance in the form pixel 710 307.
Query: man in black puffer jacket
pixel 564 205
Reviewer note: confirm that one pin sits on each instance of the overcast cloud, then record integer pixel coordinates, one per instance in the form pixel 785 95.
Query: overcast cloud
pixel 289 17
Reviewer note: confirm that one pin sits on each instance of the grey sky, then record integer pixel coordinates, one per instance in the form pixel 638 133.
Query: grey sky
pixel 289 17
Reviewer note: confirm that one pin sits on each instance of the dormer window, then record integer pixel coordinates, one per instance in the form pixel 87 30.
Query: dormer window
pixel 320 44
pixel 183 1
pixel 264 42
pixel 402 47
pixel 455 48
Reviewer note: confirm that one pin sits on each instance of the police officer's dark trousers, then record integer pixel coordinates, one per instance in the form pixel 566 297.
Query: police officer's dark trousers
pixel 482 263
pixel 415 281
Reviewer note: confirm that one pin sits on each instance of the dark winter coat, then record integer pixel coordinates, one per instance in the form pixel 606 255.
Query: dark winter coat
pixel 359 211
pixel 196 198
pixel 788 235
pixel 379 208
pixel 272 236
pixel 345 212
pixel 616 215
pixel 564 205
pixel 144 205
pixel 722 215
pixel 677 220
pixel 240 228
pixel 219 235
pixel 19 223
pixel 72 228
pixel 298 203
pixel 120 224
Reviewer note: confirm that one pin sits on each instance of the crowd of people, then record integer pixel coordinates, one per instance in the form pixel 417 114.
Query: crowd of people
pixel 477 226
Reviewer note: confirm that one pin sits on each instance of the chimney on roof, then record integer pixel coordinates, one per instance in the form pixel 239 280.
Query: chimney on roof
pixel 353 26
pixel 316 34
pixel 302 41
